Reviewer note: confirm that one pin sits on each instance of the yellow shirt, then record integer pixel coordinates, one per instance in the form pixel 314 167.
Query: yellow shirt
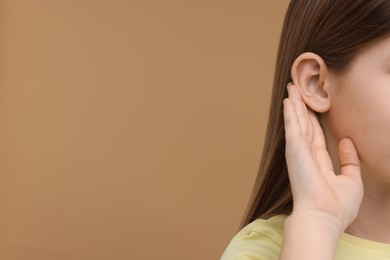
pixel 262 239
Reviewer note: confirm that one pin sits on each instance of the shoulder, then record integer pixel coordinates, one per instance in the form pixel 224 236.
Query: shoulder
pixel 261 239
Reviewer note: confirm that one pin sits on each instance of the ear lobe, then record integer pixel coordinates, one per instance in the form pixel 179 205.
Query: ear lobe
pixel 309 74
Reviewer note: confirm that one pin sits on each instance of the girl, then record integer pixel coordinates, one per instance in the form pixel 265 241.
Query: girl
pixel 323 188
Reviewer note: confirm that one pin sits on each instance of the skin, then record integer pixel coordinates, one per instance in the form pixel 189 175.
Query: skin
pixel 341 184
pixel 360 109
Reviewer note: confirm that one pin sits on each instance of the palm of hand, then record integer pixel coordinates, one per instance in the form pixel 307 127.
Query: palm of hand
pixel 316 188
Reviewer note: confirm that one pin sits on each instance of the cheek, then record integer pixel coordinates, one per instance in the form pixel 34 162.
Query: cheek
pixel 373 141
pixel 364 116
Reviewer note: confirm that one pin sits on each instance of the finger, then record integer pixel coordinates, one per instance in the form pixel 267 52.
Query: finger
pixel 310 133
pixel 324 161
pixel 306 110
pixel 291 121
pixel 298 153
pixel 318 135
pixel 349 159
pixel 300 107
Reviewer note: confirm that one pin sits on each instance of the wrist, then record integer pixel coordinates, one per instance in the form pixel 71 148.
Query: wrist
pixel 309 236
pixel 325 223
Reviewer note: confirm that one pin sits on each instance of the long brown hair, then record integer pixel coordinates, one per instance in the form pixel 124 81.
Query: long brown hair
pixel 336 30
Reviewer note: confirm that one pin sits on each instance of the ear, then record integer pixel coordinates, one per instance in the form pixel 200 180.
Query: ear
pixel 309 73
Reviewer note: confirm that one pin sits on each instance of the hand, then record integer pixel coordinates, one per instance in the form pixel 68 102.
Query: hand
pixel 319 193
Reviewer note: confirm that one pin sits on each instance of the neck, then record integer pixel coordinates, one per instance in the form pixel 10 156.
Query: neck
pixel 372 222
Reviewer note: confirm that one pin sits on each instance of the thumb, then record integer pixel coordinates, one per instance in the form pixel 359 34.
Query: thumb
pixel 349 159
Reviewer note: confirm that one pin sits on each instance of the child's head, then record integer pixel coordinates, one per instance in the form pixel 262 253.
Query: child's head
pixel 323 43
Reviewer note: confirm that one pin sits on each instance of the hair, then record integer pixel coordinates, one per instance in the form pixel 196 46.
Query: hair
pixel 337 31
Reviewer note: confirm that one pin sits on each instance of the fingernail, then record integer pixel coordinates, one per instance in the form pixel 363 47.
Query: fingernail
pixel 288 87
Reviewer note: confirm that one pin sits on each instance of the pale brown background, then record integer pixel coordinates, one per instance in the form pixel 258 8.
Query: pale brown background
pixel 130 129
